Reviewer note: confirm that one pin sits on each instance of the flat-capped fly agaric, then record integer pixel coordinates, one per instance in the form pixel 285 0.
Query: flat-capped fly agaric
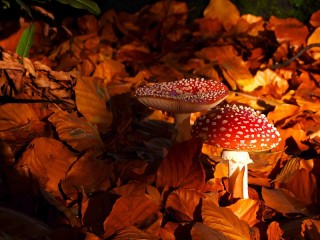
pixel 182 98
pixel 238 130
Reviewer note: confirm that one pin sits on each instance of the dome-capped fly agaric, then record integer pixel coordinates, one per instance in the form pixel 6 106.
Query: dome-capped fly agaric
pixel 183 96
pixel 236 127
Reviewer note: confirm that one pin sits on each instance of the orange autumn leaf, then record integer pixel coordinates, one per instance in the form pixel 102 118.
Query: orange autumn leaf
pixel 288 171
pixel 132 232
pixel 130 211
pixel 283 111
pixel 246 209
pixel 224 220
pixel 289 30
pixel 274 231
pixel 108 70
pixel 15 116
pixel 76 131
pixel 201 231
pixel 181 167
pixel 91 99
pixel 310 229
pixel 303 185
pixel 168 231
pixel 224 11
pixel 315 19
pixel 47 160
pixel 283 201
pixel 183 202
pixel 314 38
pixel 87 174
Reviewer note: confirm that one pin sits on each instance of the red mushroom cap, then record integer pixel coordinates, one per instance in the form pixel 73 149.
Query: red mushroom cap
pixel 183 96
pixel 236 127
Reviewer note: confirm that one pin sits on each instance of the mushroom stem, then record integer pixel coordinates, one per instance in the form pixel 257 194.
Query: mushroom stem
pixel 237 160
pixel 183 127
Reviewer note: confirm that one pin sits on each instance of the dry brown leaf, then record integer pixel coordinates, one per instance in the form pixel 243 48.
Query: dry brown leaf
pixel 19 124
pixel 168 231
pixel 47 160
pixel 288 171
pixel 131 189
pixel 201 231
pixel 76 131
pixel 274 231
pixel 299 136
pixel 88 175
pixel 91 99
pixel 283 201
pixel 224 11
pixel 246 209
pixel 315 19
pixel 283 111
pixel 289 30
pixel 303 185
pixel 224 220
pixel 181 167
pixel 209 27
pixel 314 38
pixel 132 232
pixel 310 229
pixel 108 70
pixel 183 202
pixel 130 211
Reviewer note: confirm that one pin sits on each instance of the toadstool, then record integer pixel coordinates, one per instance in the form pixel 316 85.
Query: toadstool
pixel 238 130
pixel 182 98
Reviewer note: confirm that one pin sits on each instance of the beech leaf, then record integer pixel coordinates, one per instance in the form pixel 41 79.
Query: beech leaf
pixel 91 98
pixel 224 220
pixel 181 167
pixel 282 200
pixel 130 211
pixel 76 131
pixel 204 232
pixel 183 202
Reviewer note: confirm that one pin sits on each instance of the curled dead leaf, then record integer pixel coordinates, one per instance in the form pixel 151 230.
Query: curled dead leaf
pixel 224 221
pixel 181 167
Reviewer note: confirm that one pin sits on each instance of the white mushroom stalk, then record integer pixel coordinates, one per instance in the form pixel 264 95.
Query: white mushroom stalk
pixel 182 98
pixel 238 130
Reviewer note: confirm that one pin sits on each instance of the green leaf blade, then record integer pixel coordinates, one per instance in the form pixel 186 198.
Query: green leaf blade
pixel 88 5
pixel 26 41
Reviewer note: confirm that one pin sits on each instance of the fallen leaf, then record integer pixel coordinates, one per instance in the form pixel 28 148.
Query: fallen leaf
pixel 91 101
pixel 47 160
pixel 310 229
pixel 181 167
pixel 183 202
pixel 129 211
pixel 201 231
pixel 76 131
pixel 289 30
pixel 224 221
pixel 246 209
pixel 274 231
pixel 283 201
pixel 132 232
pixel 88 175
pixel 224 11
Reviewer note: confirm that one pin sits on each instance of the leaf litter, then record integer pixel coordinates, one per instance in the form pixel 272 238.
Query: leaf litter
pixel 75 140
